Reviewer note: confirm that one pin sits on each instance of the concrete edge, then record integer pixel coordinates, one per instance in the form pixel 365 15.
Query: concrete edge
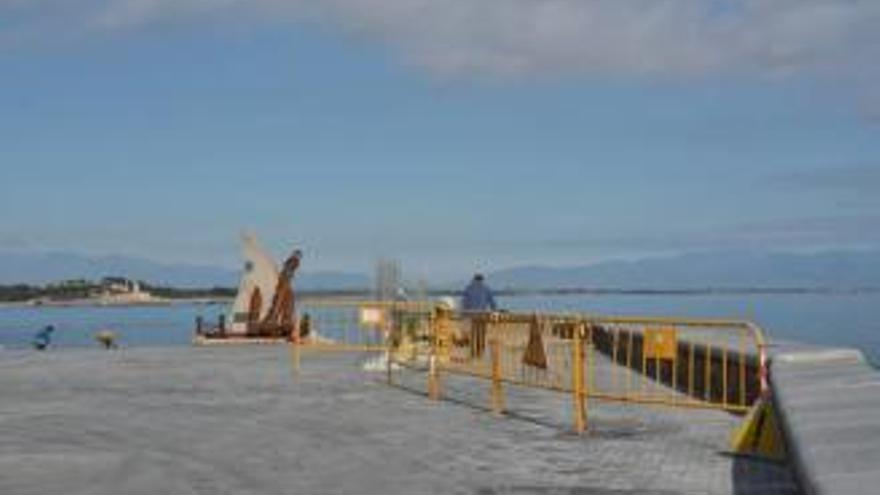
pixel 828 454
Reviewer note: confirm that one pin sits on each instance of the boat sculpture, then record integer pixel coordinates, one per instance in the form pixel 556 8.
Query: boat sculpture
pixel 261 281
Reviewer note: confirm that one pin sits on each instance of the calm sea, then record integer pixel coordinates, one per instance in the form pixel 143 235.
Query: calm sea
pixel 828 319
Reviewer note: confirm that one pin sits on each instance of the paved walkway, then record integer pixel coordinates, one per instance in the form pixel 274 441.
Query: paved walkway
pixel 215 421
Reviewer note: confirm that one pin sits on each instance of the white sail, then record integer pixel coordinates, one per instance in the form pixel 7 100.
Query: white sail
pixel 259 271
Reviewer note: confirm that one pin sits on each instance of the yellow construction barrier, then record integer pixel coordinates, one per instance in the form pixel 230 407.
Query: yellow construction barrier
pixel 674 362
pixel 354 325
pixel 669 362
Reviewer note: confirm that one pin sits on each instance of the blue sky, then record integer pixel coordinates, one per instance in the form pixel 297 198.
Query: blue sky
pixel 162 129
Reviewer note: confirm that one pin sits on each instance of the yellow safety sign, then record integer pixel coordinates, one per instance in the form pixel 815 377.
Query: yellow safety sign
pixel 660 343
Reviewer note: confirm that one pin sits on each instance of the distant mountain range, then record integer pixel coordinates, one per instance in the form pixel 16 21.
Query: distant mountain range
pixel 836 270
pixel 841 270
pixel 52 267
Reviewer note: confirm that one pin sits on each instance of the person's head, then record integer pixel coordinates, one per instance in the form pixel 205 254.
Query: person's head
pixel 479 278
pixel 50 328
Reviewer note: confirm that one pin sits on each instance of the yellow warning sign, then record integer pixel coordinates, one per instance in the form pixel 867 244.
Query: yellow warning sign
pixel 759 433
pixel 371 316
pixel 660 343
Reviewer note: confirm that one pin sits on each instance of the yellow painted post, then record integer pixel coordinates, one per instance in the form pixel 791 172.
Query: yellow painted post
pixel 657 377
pixel 577 381
pixel 644 375
pixel 389 353
pixel 614 359
pixel 691 370
pixel 742 369
pixel 497 388
pixel 438 325
pixel 590 361
pixel 724 375
pixel 629 363
pixel 385 331
pixel 674 364
pixel 707 361
pixel 472 338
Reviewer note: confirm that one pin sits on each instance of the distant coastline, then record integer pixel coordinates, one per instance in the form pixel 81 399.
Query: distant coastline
pixel 86 303
pixel 110 291
pixel 220 295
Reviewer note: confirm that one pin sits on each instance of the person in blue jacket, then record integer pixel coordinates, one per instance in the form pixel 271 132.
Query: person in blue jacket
pixel 43 338
pixel 478 296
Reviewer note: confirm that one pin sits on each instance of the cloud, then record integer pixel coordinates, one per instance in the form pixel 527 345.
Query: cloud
pixel 833 39
pixel 533 36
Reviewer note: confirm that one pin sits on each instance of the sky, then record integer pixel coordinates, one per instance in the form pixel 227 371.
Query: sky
pixel 451 135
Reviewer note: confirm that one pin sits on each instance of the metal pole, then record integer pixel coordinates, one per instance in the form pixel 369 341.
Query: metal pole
pixel 389 342
pixel 497 388
pixel 577 379
pixel 437 326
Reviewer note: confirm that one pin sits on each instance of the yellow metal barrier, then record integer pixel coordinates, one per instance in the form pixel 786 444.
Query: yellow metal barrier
pixel 691 362
pixel 353 325
pixel 676 362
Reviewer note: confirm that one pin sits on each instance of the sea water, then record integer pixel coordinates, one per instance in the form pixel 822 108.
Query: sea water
pixel 844 319
pixel 832 319
pixel 134 325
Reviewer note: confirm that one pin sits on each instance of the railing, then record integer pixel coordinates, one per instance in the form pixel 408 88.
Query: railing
pixel 689 363
pixel 692 362
pixel 675 362
pixel 352 325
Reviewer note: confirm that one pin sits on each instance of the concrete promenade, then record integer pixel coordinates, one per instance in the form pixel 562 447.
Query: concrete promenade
pixel 828 400
pixel 233 420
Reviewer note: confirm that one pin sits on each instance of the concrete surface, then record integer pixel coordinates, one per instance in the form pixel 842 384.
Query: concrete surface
pixel 828 401
pixel 233 420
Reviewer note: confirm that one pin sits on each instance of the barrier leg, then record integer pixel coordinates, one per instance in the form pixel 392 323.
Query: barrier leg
pixel 577 378
pixel 439 325
pixel 433 378
pixel 497 387
pixel 389 379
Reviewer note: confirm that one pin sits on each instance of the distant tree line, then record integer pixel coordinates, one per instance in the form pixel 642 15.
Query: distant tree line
pixel 188 293
pixel 19 292
pixel 69 290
